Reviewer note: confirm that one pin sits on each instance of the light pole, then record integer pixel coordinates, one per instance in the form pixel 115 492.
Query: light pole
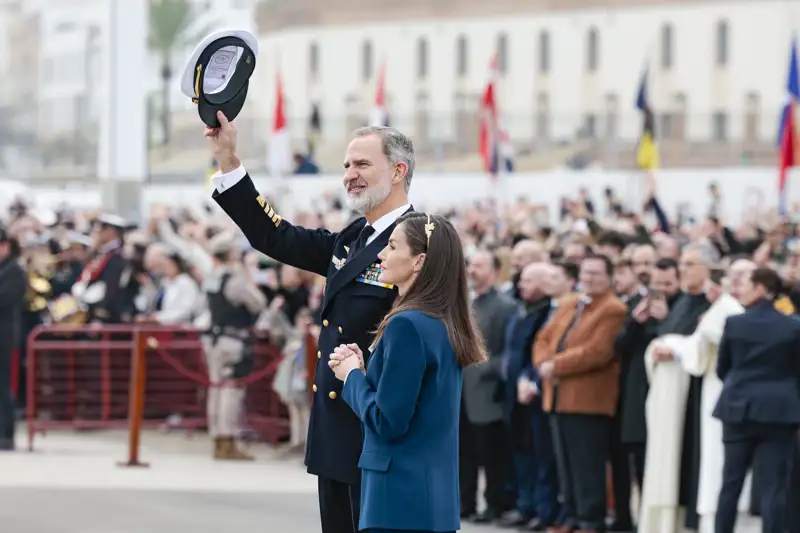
pixel 83 109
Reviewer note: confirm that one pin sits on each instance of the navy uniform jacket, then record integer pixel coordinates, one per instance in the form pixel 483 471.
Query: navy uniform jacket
pixel 759 364
pixel 409 402
pixel 351 311
pixel 110 308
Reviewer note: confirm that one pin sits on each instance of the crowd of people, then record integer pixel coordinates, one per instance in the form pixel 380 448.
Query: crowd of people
pixel 563 409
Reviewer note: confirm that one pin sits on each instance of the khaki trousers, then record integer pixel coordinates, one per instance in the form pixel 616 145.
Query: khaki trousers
pixel 225 399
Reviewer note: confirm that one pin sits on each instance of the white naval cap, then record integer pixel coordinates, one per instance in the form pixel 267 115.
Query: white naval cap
pixel 217 74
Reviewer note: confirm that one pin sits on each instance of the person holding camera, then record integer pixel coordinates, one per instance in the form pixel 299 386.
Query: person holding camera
pixel 648 311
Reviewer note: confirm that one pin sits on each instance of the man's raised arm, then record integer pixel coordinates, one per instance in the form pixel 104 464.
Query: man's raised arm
pixel 265 229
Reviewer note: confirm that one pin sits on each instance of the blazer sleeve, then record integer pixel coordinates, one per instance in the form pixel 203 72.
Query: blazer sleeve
pixel 631 332
pixel 267 232
pixel 724 355
pixel 387 410
pixel 597 349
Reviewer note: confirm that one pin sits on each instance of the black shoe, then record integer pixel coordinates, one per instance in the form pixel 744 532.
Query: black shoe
pixel 6 445
pixel 513 519
pixel 468 514
pixel 620 526
pixel 535 525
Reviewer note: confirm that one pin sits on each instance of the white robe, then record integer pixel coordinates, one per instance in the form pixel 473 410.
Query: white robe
pixel 700 359
pixel 665 413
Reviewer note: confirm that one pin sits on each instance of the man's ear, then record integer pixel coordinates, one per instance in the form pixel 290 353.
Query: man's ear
pixel 400 171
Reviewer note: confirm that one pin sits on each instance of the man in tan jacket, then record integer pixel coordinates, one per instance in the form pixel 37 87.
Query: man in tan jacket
pixel 579 372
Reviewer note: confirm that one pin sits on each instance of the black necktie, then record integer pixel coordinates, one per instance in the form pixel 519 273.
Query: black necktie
pixel 361 241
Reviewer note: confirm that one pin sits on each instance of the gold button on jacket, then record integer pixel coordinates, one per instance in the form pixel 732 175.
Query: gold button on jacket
pixel 325 323
pixel 314 387
pixel 319 355
pixel 332 395
pixel 340 329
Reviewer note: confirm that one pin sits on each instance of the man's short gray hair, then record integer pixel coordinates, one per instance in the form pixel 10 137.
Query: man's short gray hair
pixel 708 254
pixel 396 146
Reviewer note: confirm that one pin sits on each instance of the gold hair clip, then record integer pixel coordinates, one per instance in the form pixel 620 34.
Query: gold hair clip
pixel 429 230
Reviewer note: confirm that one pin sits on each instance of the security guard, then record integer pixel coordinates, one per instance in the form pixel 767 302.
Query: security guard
pixel 355 300
pixel 233 304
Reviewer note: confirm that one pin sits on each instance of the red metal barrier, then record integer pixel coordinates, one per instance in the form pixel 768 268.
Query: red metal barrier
pixel 85 377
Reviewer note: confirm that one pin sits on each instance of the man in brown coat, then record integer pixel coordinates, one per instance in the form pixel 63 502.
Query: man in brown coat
pixel 579 372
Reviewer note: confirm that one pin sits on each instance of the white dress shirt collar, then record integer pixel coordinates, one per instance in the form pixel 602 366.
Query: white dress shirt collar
pixel 387 220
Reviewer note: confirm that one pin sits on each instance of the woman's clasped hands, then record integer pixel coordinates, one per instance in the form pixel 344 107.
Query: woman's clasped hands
pixel 346 358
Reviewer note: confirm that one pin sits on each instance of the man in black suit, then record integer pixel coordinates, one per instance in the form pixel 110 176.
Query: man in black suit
pixel 759 405
pixel 13 284
pixel 378 167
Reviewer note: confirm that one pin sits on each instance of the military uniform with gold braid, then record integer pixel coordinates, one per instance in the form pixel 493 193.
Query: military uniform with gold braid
pixel 353 305
pixel 97 292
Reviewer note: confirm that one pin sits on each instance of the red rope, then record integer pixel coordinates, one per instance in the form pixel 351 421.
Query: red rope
pixel 202 379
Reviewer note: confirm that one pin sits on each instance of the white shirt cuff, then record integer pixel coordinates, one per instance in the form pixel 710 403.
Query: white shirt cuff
pixel 223 182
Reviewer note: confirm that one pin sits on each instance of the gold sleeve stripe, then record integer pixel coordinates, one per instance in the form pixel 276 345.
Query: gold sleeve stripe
pixel 269 211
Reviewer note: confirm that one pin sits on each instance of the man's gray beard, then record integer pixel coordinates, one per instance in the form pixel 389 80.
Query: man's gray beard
pixel 369 200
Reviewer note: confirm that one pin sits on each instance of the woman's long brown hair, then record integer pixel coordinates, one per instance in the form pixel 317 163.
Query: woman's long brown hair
pixel 440 290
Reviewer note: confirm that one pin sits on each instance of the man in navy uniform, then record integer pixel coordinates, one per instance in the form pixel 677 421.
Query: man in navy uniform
pixel 378 167
pixel 99 287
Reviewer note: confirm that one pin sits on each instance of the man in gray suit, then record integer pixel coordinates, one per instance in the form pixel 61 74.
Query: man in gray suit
pixel 483 438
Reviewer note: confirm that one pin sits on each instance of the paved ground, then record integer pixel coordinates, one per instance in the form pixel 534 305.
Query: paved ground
pixel 72 484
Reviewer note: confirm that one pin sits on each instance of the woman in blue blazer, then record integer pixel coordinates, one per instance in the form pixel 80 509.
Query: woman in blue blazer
pixel 410 395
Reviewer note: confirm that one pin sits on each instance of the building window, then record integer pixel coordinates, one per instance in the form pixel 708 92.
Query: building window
pixel 592 51
pixel 722 43
pixel 366 61
pixel 544 52
pixel 462 56
pixel 666 46
pixel 720 126
pixel 422 58
pixel 665 127
pixel 589 128
pixel 313 60
pixel 502 54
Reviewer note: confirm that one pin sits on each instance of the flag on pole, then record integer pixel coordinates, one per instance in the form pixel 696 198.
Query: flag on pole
pixel 280 156
pixel 787 135
pixel 647 157
pixel 489 143
pixel 380 115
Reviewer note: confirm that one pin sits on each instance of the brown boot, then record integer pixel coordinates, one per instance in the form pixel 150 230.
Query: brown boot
pixel 217 447
pixel 229 451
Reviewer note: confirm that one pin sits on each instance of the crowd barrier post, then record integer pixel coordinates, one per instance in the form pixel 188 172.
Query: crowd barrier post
pixel 136 399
